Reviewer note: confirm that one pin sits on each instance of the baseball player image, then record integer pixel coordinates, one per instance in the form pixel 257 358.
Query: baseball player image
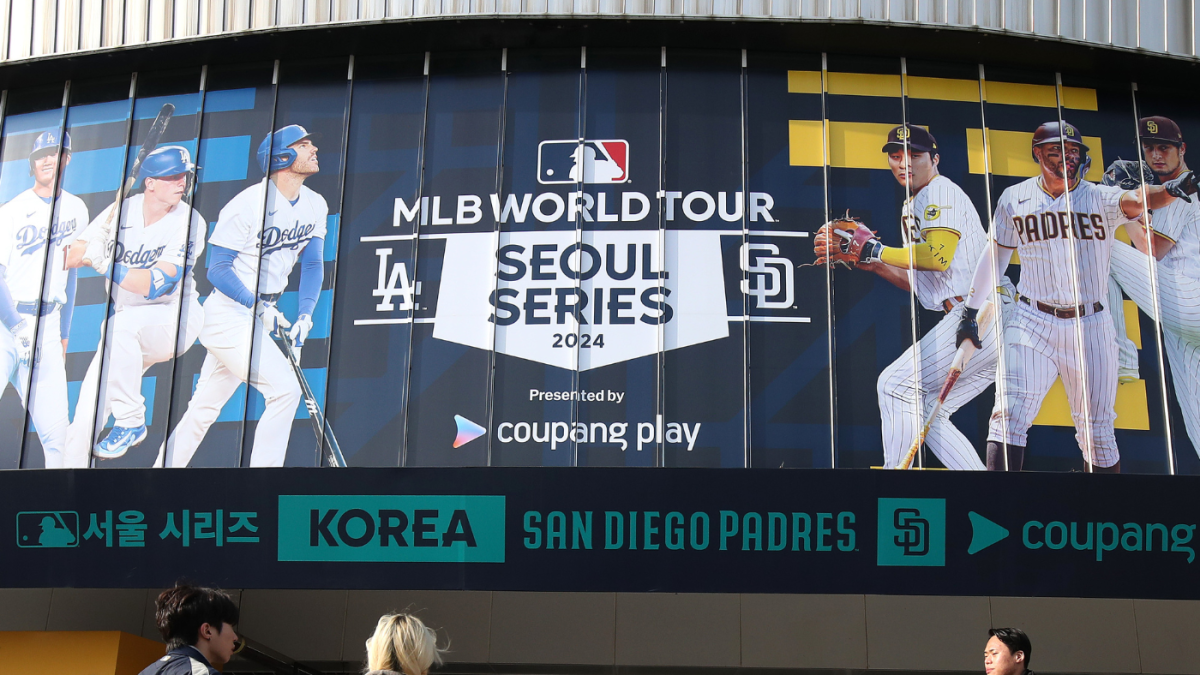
pixel 250 260
pixel 36 288
pixel 151 261
pixel 1063 228
pixel 943 239
pixel 1174 244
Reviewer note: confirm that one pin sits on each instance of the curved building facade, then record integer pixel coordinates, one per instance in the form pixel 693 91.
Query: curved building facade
pixel 449 273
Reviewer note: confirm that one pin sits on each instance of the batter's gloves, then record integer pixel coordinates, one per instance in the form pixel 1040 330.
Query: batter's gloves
pixel 968 328
pixel 23 339
pixel 272 319
pixel 1186 184
pixel 299 332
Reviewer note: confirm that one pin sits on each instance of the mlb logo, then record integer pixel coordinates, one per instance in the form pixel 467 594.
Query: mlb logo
pixel 600 161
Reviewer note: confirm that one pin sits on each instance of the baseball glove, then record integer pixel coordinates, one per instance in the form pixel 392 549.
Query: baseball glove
pixel 843 241
pixel 1128 174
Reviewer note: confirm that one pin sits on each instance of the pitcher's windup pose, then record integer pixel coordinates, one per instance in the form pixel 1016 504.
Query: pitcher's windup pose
pixel 259 237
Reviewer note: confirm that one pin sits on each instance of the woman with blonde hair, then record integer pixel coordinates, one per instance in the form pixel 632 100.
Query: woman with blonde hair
pixel 402 645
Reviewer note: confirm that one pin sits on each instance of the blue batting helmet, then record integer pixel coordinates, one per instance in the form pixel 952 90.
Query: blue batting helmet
pixel 276 148
pixel 169 160
pixel 47 143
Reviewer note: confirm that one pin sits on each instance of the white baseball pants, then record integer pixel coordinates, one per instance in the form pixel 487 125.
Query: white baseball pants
pixel 1039 347
pixel 899 388
pixel 239 350
pixel 1179 300
pixel 47 405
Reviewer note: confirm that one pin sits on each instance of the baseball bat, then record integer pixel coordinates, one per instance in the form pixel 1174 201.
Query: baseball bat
pixel 152 138
pixel 965 351
pixel 318 418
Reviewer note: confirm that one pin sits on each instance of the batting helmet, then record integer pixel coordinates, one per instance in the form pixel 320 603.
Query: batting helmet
pixel 47 143
pixel 169 160
pixel 276 148
pixel 1056 132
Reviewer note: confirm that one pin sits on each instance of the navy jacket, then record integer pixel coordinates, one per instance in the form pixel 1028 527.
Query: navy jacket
pixel 182 661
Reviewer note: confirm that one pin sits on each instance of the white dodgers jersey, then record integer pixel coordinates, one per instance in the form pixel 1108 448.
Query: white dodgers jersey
pixel 1062 241
pixel 25 233
pixel 278 239
pixel 942 205
pixel 1179 221
pixel 176 239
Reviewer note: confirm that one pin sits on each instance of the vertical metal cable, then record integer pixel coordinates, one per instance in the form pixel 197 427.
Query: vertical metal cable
pixel 1152 269
pixel 191 201
pixel 998 304
pixel 909 242
pixel 828 265
pixel 402 458
pixel 267 187
pixel 1080 344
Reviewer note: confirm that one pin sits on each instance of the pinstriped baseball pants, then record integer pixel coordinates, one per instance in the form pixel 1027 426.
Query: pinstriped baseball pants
pixel 1038 348
pixel 898 393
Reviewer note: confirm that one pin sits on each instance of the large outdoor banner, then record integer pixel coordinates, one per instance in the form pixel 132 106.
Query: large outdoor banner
pixel 606 258
pixel 605 530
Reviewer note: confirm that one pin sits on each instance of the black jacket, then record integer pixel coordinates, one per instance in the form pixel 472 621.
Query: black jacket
pixel 182 661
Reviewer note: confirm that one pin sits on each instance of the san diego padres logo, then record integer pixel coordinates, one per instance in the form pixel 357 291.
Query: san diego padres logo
pixel 932 212
pixel 1071 131
pixel 902 133
pixel 1152 127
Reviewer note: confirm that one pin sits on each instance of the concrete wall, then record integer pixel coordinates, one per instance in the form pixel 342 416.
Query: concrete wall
pixel 582 631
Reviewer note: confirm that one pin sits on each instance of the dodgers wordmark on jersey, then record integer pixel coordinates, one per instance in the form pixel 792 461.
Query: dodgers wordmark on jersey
pixel 174 239
pixel 278 239
pixel 942 205
pixel 1044 229
pixel 25 231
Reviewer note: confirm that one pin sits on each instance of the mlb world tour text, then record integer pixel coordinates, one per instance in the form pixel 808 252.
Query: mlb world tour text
pixel 551 207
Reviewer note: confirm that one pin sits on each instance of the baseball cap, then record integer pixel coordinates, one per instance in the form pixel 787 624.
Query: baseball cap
pixel 1159 129
pixel 919 139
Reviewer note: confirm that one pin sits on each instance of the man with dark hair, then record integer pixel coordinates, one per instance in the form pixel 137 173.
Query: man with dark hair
pixel 197 624
pixel 1008 652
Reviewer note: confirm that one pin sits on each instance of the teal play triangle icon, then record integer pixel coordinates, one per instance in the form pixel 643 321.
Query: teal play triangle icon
pixel 984 533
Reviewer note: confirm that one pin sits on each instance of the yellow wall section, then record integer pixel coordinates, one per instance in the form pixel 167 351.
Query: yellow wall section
pixel 76 652
pixel 863 84
pixel 1132 412
pixel 852 145
pixel 941 89
pixel 804 82
pixel 1011 154
pixel 804 143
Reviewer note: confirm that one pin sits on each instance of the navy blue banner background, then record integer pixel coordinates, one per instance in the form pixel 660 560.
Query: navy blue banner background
pixel 1110 508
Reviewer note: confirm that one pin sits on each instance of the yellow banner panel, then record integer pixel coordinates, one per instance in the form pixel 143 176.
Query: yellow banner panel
pixel 864 84
pixel 1079 98
pixel 1012 154
pixel 804 82
pixel 804 143
pixel 1011 93
pixel 1132 412
pixel 943 89
pixel 858 145
pixel 1133 323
